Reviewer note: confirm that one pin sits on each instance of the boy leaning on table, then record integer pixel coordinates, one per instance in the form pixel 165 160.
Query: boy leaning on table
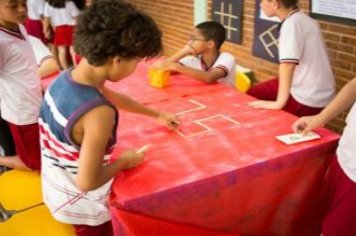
pixel 201 57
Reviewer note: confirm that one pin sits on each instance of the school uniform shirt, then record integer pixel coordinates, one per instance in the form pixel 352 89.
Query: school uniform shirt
pixel 346 151
pixel 20 88
pixel 64 103
pixel 224 61
pixel 301 42
pixel 40 50
pixel 62 16
pixel 35 9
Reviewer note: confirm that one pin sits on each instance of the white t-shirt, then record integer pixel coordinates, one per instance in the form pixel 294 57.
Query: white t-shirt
pixel 225 61
pixel 40 50
pixel 346 151
pixel 62 16
pixel 35 9
pixel 301 42
pixel 20 87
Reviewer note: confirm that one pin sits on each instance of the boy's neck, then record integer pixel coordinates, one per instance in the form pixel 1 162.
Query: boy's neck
pixel 209 57
pixel 86 74
pixel 283 13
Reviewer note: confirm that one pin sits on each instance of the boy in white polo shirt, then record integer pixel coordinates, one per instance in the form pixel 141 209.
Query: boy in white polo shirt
pixel 306 83
pixel 20 88
pixel 340 181
pixel 201 57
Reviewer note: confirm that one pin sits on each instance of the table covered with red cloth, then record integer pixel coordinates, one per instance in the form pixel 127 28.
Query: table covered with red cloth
pixel 223 173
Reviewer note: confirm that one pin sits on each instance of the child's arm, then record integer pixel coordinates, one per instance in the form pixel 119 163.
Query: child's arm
pixel 96 127
pixel 124 102
pixel 345 98
pixel 167 63
pixel 286 71
pixel 185 51
pixel 48 67
pixel 208 77
pixel 47 30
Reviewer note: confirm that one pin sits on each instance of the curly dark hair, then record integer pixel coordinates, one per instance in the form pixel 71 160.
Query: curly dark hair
pixel 110 28
pixel 212 30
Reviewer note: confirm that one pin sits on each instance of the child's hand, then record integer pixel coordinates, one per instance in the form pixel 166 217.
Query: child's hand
pixel 306 124
pixel 170 120
pixel 188 49
pixel 273 105
pixel 131 159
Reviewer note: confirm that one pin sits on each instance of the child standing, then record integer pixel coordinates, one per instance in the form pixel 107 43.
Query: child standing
pixel 306 83
pixel 201 57
pixel 19 72
pixel 61 16
pixel 78 130
pixel 34 19
pixel 340 180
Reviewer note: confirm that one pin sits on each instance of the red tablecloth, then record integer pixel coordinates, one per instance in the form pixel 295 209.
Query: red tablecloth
pixel 223 174
pixel 226 172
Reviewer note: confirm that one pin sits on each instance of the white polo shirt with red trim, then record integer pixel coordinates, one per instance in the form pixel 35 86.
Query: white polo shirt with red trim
pixel 41 51
pixel 20 88
pixel 224 61
pixel 346 151
pixel 301 42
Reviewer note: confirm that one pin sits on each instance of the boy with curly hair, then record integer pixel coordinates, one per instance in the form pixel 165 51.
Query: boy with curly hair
pixel 78 118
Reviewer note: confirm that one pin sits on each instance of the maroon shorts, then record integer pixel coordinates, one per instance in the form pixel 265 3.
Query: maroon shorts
pixel 340 192
pixel 268 91
pixel 98 230
pixel 35 28
pixel 27 144
pixel 63 35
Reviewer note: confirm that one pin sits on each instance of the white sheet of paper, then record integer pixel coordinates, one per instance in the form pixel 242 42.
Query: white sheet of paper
pixel 297 138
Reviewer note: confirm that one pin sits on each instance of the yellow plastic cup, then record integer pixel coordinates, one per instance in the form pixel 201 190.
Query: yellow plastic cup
pixel 158 78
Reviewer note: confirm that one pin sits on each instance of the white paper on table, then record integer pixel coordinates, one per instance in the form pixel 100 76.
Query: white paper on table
pixel 297 138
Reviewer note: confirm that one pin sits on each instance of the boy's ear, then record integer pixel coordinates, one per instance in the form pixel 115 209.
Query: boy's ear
pixel 276 4
pixel 210 43
pixel 116 60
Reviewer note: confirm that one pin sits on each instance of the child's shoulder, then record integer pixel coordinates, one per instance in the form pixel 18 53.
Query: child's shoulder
pixel 226 56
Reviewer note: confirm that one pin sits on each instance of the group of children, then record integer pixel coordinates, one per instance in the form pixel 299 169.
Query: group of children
pixel 75 124
pixel 53 21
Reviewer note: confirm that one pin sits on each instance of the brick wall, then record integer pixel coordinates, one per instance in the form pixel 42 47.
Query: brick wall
pixel 176 19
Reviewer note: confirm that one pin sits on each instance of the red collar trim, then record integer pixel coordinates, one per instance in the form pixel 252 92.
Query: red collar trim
pixel 203 64
pixel 16 34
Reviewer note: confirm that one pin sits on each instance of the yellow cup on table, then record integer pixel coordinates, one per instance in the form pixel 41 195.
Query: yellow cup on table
pixel 158 78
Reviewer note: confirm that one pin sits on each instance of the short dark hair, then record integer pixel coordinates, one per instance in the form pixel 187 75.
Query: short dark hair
pixel 57 3
pixel 212 30
pixel 109 28
pixel 289 3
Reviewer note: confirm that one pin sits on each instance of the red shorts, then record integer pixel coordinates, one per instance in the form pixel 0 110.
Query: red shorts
pixel 35 28
pixel 27 144
pixel 269 90
pixel 63 35
pixel 340 192
pixel 98 230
